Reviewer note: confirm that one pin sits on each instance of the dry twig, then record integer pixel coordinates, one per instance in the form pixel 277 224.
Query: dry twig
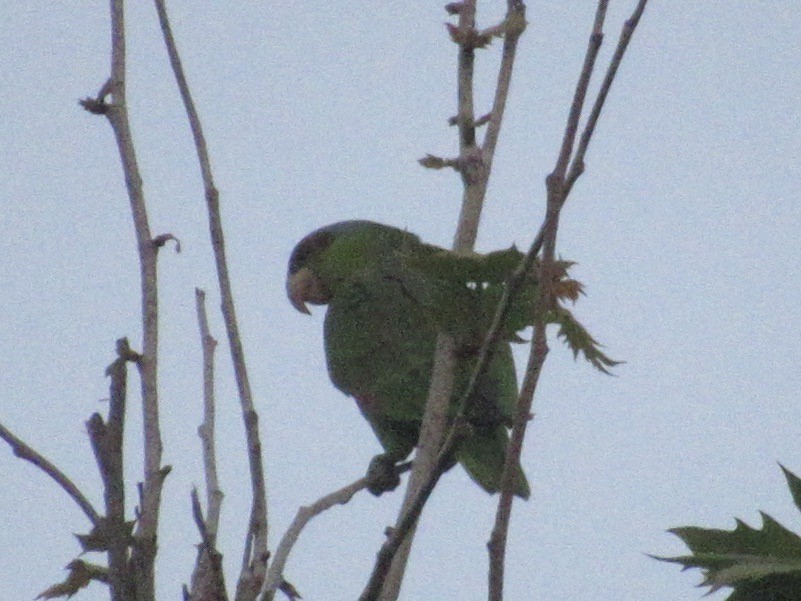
pixel 206 431
pixel 275 574
pixel 254 560
pixel 26 452
pixel 208 580
pixel 113 533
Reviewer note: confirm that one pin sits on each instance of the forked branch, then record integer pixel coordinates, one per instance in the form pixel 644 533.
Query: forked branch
pixel 558 190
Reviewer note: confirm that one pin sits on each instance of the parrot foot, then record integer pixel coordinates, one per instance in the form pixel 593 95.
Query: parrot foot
pixel 382 475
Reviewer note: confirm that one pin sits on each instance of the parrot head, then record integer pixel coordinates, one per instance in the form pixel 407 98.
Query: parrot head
pixel 303 284
pixel 333 253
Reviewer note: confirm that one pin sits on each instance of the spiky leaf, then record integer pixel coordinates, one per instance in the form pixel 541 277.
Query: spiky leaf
pixel 760 564
pixel 579 340
pixel 81 573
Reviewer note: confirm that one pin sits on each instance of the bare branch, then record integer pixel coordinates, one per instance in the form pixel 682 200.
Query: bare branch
pixel 497 543
pixel 558 191
pixel 465 115
pixel 254 562
pixel 208 580
pixel 577 165
pixel 116 111
pixel 275 574
pixel 26 452
pixel 107 444
pixel 440 390
pixel 514 25
pixel 581 92
pixel 206 431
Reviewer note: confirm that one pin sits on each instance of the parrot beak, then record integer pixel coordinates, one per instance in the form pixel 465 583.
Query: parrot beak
pixel 303 287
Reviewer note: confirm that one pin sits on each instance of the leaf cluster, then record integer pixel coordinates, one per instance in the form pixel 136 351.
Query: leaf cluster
pixel 469 288
pixel 760 564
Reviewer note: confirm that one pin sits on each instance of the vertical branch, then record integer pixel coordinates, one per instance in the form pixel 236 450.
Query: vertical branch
pixel 254 561
pixel 206 431
pixel 559 183
pixel 107 444
pixel 389 576
pixel 474 164
pixel 539 349
pixel 116 111
pixel 514 26
pixel 435 416
pixel 471 164
pixel 207 578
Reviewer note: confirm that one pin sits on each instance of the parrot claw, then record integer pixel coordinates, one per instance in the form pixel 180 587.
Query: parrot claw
pixel 382 475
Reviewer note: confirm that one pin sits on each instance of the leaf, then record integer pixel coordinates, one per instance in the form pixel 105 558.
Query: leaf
pixel 579 340
pixel 761 564
pixel 434 162
pixel 103 533
pixel 467 289
pixel 81 574
pixel 794 482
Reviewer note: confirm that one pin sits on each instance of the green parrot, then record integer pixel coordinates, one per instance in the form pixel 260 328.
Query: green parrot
pixel 388 295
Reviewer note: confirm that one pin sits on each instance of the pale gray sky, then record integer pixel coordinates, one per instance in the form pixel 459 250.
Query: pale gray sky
pixel 685 227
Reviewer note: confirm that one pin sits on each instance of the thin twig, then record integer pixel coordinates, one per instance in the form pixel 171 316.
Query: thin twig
pixel 497 544
pixel 254 560
pixel 471 161
pixel 206 431
pixel 464 91
pixel 580 94
pixel 577 165
pixel 208 580
pixel 275 573
pixel 514 25
pixel 26 452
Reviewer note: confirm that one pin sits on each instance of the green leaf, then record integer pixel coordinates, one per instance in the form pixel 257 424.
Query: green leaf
pixel 579 340
pixel 760 564
pixel 794 482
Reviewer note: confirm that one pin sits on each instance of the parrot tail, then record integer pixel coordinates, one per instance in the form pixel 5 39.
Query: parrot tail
pixel 482 455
